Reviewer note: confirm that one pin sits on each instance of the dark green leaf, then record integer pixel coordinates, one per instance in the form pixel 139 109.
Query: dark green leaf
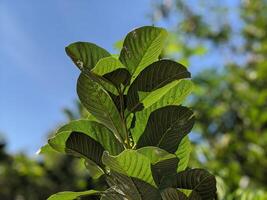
pixel 166 128
pixel 173 194
pixel 112 70
pixel 99 103
pixel 118 77
pixel 85 55
pixel 133 188
pixel 162 162
pixel 199 181
pixel 80 144
pixel 96 131
pixel 155 76
pixel 175 93
pixel 195 196
pixel 164 168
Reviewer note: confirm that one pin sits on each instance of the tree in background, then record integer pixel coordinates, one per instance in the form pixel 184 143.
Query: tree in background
pixel 25 178
pixel 231 102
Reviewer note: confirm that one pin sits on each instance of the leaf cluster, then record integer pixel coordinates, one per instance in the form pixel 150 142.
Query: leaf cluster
pixel 136 133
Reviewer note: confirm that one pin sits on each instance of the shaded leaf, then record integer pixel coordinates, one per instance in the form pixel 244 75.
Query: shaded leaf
pixel 176 92
pixel 96 131
pixel 118 77
pixel 99 103
pixel 123 184
pixel 78 144
pixel 155 76
pixel 113 70
pixel 173 194
pixel 133 188
pixel 199 181
pixel 166 128
pixel 164 168
pixel 141 47
pixel 117 99
pixel 85 55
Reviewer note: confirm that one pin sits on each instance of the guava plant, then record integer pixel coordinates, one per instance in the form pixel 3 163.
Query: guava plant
pixel 135 135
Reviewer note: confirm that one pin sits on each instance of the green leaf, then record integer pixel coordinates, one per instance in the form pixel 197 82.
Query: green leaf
pixel 77 144
pixel 200 181
pixel 130 163
pixel 93 169
pixel 72 195
pixel 99 103
pixel 165 168
pixel 162 162
pixel 85 55
pixel 173 194
pixel 123 184
pixel 146 190
pixel 195 196
pixel 110 194
pixel 118 77
pixel 132 188
pixel 80 144
pixel 107 65
pixel 174 95
pixel 183 153
pixel 112 70
pixel 102 81
pixel 166 128
pixel 154 77
pixel 155 154
pixel 45 149
pixel 141 47
pixel 96 131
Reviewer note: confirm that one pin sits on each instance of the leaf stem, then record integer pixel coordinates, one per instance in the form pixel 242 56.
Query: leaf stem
pixel 127 140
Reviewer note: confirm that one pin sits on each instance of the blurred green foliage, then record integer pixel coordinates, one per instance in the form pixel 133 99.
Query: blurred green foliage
pixel 24 178
pixel 231 102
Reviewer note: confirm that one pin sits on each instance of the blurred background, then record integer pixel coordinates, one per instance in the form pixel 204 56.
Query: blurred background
pixel 224 44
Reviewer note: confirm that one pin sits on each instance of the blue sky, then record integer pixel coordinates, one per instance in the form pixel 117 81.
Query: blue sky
pixel 37 79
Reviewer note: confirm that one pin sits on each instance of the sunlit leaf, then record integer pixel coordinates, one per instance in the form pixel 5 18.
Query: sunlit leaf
pixel 72 195
pixel 130 163
pixel 142 47
pixel 183 153
pixel 175 93
pixel 154 77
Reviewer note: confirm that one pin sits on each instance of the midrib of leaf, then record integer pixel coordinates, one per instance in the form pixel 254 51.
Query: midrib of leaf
pixel 165 82
pixel 201 182
pixel 138 69
pixel 117 134
pixel 171 126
